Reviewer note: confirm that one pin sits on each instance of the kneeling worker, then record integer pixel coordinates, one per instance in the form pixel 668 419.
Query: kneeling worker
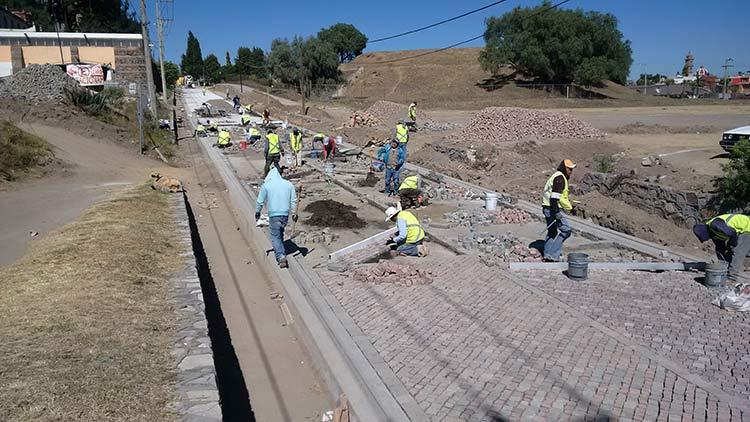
pixel 200 130
pixel 254 134
pixel 555 203
pixel 410 192
pixel 280 198
pixel 224 140
pixel 246 119
pixel 731 235
pixel 410 233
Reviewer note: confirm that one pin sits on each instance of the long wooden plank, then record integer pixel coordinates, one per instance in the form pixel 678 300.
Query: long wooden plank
pixel 643 266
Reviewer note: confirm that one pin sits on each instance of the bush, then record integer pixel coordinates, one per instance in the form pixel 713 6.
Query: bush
pixel 734 185
pixel 92 103
pixel 604 163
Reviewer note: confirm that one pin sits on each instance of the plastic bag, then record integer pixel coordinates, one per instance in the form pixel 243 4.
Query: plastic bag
pixel 737 299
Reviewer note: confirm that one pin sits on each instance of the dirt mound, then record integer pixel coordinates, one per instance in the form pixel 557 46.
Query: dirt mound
pixel 369 181
pixel 509 124
pixel 330 213
pixel 482 217
pixel 380 113
pixel 393 273
pixel 38 83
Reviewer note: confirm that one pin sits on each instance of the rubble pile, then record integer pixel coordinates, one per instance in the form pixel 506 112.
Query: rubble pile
pixel 482 217
pixel 508 124
pixel 38 83
pixel 495 249
pixel 363 119
pixel 446 192
pixel 324 236
pixel 431 125
pixel 392 273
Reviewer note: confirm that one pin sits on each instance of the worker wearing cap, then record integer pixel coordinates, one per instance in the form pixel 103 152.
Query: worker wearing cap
pixel 409 240
pixel 555 205
pixel 410 192
pixel 393 157
pixel 200 130
pixel 401 134
pixel 731 235
pixel 224 140
pixel 272 152
pixel 295 143
pixel 413 111
pixel 253 134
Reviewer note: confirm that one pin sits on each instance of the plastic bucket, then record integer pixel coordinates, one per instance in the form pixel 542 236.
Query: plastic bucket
pixel 243 144
pixel 716 274
pixel 578 266
pixel 490 201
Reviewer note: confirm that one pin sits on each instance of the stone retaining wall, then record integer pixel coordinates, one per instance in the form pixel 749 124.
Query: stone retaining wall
pixel 684 208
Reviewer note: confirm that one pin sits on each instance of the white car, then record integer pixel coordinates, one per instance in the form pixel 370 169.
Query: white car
pixel 731 137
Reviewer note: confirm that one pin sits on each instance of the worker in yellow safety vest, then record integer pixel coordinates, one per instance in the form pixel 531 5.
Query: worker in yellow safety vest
pixel 212 126
pixel 224 140
pixel 317 140
pixel 253 134
pixel 409 240
pixel 200 130
pixel 295 143
pixel 731 236
pixel 413 111
pixel 410 192
pixel 401 134
pixel 246 119
pixel 555 205
pixel 272 152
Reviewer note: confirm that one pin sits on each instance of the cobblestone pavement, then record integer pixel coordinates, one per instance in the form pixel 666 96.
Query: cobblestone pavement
pixel 480 344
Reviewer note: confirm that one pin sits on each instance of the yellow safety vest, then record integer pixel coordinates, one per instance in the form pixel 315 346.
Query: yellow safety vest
pixel 200 128
pixel 254 132
pixel 402 133
pixel 413 112
pixel 564 201
pixel 214 126
pixel 295 142
pixel 224 138
pixel 319 136
pixel 245 118
pixel 273 144
pixel 414 231
pixel 740 223
pixel 410 182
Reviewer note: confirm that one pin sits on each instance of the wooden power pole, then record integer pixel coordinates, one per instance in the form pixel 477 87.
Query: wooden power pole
pixel 150 91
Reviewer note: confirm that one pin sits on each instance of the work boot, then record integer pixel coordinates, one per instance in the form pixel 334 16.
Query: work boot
pixel 283 263
pixel 422 250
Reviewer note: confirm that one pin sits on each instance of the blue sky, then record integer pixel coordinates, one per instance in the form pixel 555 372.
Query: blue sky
pixel 661 31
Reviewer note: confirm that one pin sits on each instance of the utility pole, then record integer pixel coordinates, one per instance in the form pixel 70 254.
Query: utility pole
pixel 726 67
pixel 147 53
pixel 160 34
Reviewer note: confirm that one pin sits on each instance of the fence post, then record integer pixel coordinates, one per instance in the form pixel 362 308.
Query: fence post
pixel 567 91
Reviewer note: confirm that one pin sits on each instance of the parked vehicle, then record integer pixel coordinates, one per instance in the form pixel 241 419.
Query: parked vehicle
pixel 730 138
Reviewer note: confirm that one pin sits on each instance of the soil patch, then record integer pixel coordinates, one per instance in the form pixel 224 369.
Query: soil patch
pixel 330 213
pixel 640 128
pixel 369 181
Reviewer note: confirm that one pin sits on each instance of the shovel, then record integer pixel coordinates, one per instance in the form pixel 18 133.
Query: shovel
pixel 294 223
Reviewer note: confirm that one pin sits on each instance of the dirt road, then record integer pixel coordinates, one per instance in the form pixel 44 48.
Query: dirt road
pixel 94 170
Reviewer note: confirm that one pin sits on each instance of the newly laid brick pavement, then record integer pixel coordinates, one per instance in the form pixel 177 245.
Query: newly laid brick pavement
pixel 480 345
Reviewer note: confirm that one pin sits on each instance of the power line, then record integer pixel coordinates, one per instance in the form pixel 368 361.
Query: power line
pixel 465 41
pixel 437 23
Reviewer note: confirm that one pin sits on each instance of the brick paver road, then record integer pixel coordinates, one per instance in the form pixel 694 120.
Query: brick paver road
pixel 481 344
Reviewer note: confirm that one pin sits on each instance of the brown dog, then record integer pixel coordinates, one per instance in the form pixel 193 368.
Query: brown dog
pixel 166 184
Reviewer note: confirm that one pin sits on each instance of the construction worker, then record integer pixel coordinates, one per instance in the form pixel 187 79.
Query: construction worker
pixel 295 143
pixel 317 139
pixel 410 192
pixel 272 152
pixel 212 126
pixel 555 205
pixel 246 119
pixel 224 140
pixel 280 198
pixel 409 240
pixel 253 134
pixel 413 111
pixel 200 130
pixel 329 148
pixel 731 235
pixel 394 158
pixel 401 134
pixel 266 117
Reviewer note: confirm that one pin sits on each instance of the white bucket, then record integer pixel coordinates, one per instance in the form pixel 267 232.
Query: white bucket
pixel 490 201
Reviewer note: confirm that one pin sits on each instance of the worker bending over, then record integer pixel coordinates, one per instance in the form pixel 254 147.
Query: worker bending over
pixel 410 192
pixel 200 130
pixel 253 134
pixel 409 240
pixel 246 119
pixel 317 141
pixel 731 235
pixel 280 199
pixel 413 111
pixel 212 126
pixel 329 148
pixel 295 143
pixel 555 205
pixel 272 152
pixel 224 140
pixel 393 158
pixel 401 134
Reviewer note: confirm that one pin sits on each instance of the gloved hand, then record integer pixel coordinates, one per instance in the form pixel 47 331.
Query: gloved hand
pixel 559 216
pixel 257 216
pixel 295 217
pixel 389 241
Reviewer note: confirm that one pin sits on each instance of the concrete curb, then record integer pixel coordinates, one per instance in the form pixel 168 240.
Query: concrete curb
pixel 198 395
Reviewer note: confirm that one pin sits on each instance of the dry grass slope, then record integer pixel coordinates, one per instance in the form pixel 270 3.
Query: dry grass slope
pixel 87 326
pixel 21 152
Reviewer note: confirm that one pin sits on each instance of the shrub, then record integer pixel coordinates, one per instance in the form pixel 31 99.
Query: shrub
pixel 734 185
pixel 604 163
pixel 20 151
pixel 93 103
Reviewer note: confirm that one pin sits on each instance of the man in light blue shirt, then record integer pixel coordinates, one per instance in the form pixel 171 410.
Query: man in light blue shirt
pixel 280 199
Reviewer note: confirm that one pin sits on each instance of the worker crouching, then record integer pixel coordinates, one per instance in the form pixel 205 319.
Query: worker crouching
pixel 555 204
pixel 731 236
pixel 410 238
pixel 410 192
pixel 224 140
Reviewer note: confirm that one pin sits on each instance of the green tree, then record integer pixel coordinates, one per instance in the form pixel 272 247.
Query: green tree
pixel 79 16
pixel 252 61
pixel 734 185
pixel 228 67
pixel 557 45
pixel 347 41
pixel 303 63
pixel 192 60
pixel 212 68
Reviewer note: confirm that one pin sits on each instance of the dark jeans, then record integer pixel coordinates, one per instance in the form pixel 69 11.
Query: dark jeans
pixel 271 160
pixel 734 256
pixel 276 227
pixel 391 179
pixel 556 234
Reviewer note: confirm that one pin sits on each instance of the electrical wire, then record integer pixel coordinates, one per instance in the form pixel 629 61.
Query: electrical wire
pixel 465 41
pixel 437 23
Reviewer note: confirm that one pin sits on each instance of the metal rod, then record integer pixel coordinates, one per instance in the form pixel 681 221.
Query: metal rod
pixel 644 266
